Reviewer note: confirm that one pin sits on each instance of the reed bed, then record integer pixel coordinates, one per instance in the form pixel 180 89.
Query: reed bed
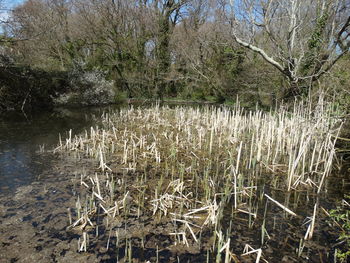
pixel 188 165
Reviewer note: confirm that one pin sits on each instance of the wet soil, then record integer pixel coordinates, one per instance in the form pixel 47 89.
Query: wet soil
pixel 34 221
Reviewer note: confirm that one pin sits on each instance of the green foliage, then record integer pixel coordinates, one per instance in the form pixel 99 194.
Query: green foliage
pixel 222 68
pixel 29 88
pixel 315 42
pixel 226 61
pixel 316 39
pixel 342 216
pixel 120 97
pixel 196 59
pixel 337 83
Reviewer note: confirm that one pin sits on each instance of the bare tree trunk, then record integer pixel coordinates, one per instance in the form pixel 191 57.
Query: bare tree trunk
pixel 318 36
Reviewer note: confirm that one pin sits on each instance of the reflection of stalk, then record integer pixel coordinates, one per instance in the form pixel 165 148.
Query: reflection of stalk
pixel 248 250
pixel 301 247
pixel 24 102
pixel 83 245
pixel 69 216
pixel 186 164
pixel 130 251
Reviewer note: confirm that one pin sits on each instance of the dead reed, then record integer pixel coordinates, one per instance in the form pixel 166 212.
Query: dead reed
pixel 187 164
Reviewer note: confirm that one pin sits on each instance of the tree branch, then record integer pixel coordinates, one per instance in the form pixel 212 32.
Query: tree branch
pixel 262 53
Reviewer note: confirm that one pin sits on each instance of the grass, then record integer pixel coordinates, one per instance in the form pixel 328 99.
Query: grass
pixel 186 166
pixel 341 217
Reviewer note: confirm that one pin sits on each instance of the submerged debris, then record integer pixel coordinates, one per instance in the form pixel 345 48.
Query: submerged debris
pixel 192 171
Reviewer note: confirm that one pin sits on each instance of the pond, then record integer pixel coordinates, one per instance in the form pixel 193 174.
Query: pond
pixel 23 138
pixel 26 166
pixel 39 190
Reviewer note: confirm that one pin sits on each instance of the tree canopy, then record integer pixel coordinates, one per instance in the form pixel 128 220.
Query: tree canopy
pixel 188 48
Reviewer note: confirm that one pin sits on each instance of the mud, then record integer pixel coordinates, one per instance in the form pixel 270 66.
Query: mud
pixel 34 221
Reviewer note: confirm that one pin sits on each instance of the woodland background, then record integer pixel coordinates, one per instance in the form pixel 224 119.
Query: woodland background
pixel 84 52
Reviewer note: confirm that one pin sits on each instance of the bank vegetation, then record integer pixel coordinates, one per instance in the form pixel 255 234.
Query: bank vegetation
pixel 74 51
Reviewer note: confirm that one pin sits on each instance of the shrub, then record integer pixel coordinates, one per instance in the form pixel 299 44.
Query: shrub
pixel 88 88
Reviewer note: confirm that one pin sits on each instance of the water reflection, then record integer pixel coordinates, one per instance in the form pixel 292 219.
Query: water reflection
pixel 20 139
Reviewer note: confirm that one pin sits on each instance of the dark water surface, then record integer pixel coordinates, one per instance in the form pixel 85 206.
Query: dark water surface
pixel 22 139
pixel 36 217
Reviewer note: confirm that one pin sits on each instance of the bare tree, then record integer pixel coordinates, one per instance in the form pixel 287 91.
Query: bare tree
pixel 2 11
pixel 39 31
pixel 303 39
pixel 2 21
pixel 167 14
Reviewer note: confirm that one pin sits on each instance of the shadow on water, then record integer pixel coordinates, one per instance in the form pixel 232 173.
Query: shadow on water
pixel 22 138
pixel 42 211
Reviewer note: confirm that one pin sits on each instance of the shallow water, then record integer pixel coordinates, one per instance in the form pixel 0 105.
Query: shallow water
pixel 36 216
pixel 22 138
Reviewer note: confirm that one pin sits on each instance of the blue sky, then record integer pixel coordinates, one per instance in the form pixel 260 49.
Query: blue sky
pixel 8 4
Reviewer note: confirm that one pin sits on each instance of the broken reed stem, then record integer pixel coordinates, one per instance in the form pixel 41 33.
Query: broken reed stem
pixel 311 227
pixel 186 157
pixel 281 206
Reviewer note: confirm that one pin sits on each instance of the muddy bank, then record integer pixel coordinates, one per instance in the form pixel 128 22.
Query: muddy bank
pixel 34 223
pixel 147 188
